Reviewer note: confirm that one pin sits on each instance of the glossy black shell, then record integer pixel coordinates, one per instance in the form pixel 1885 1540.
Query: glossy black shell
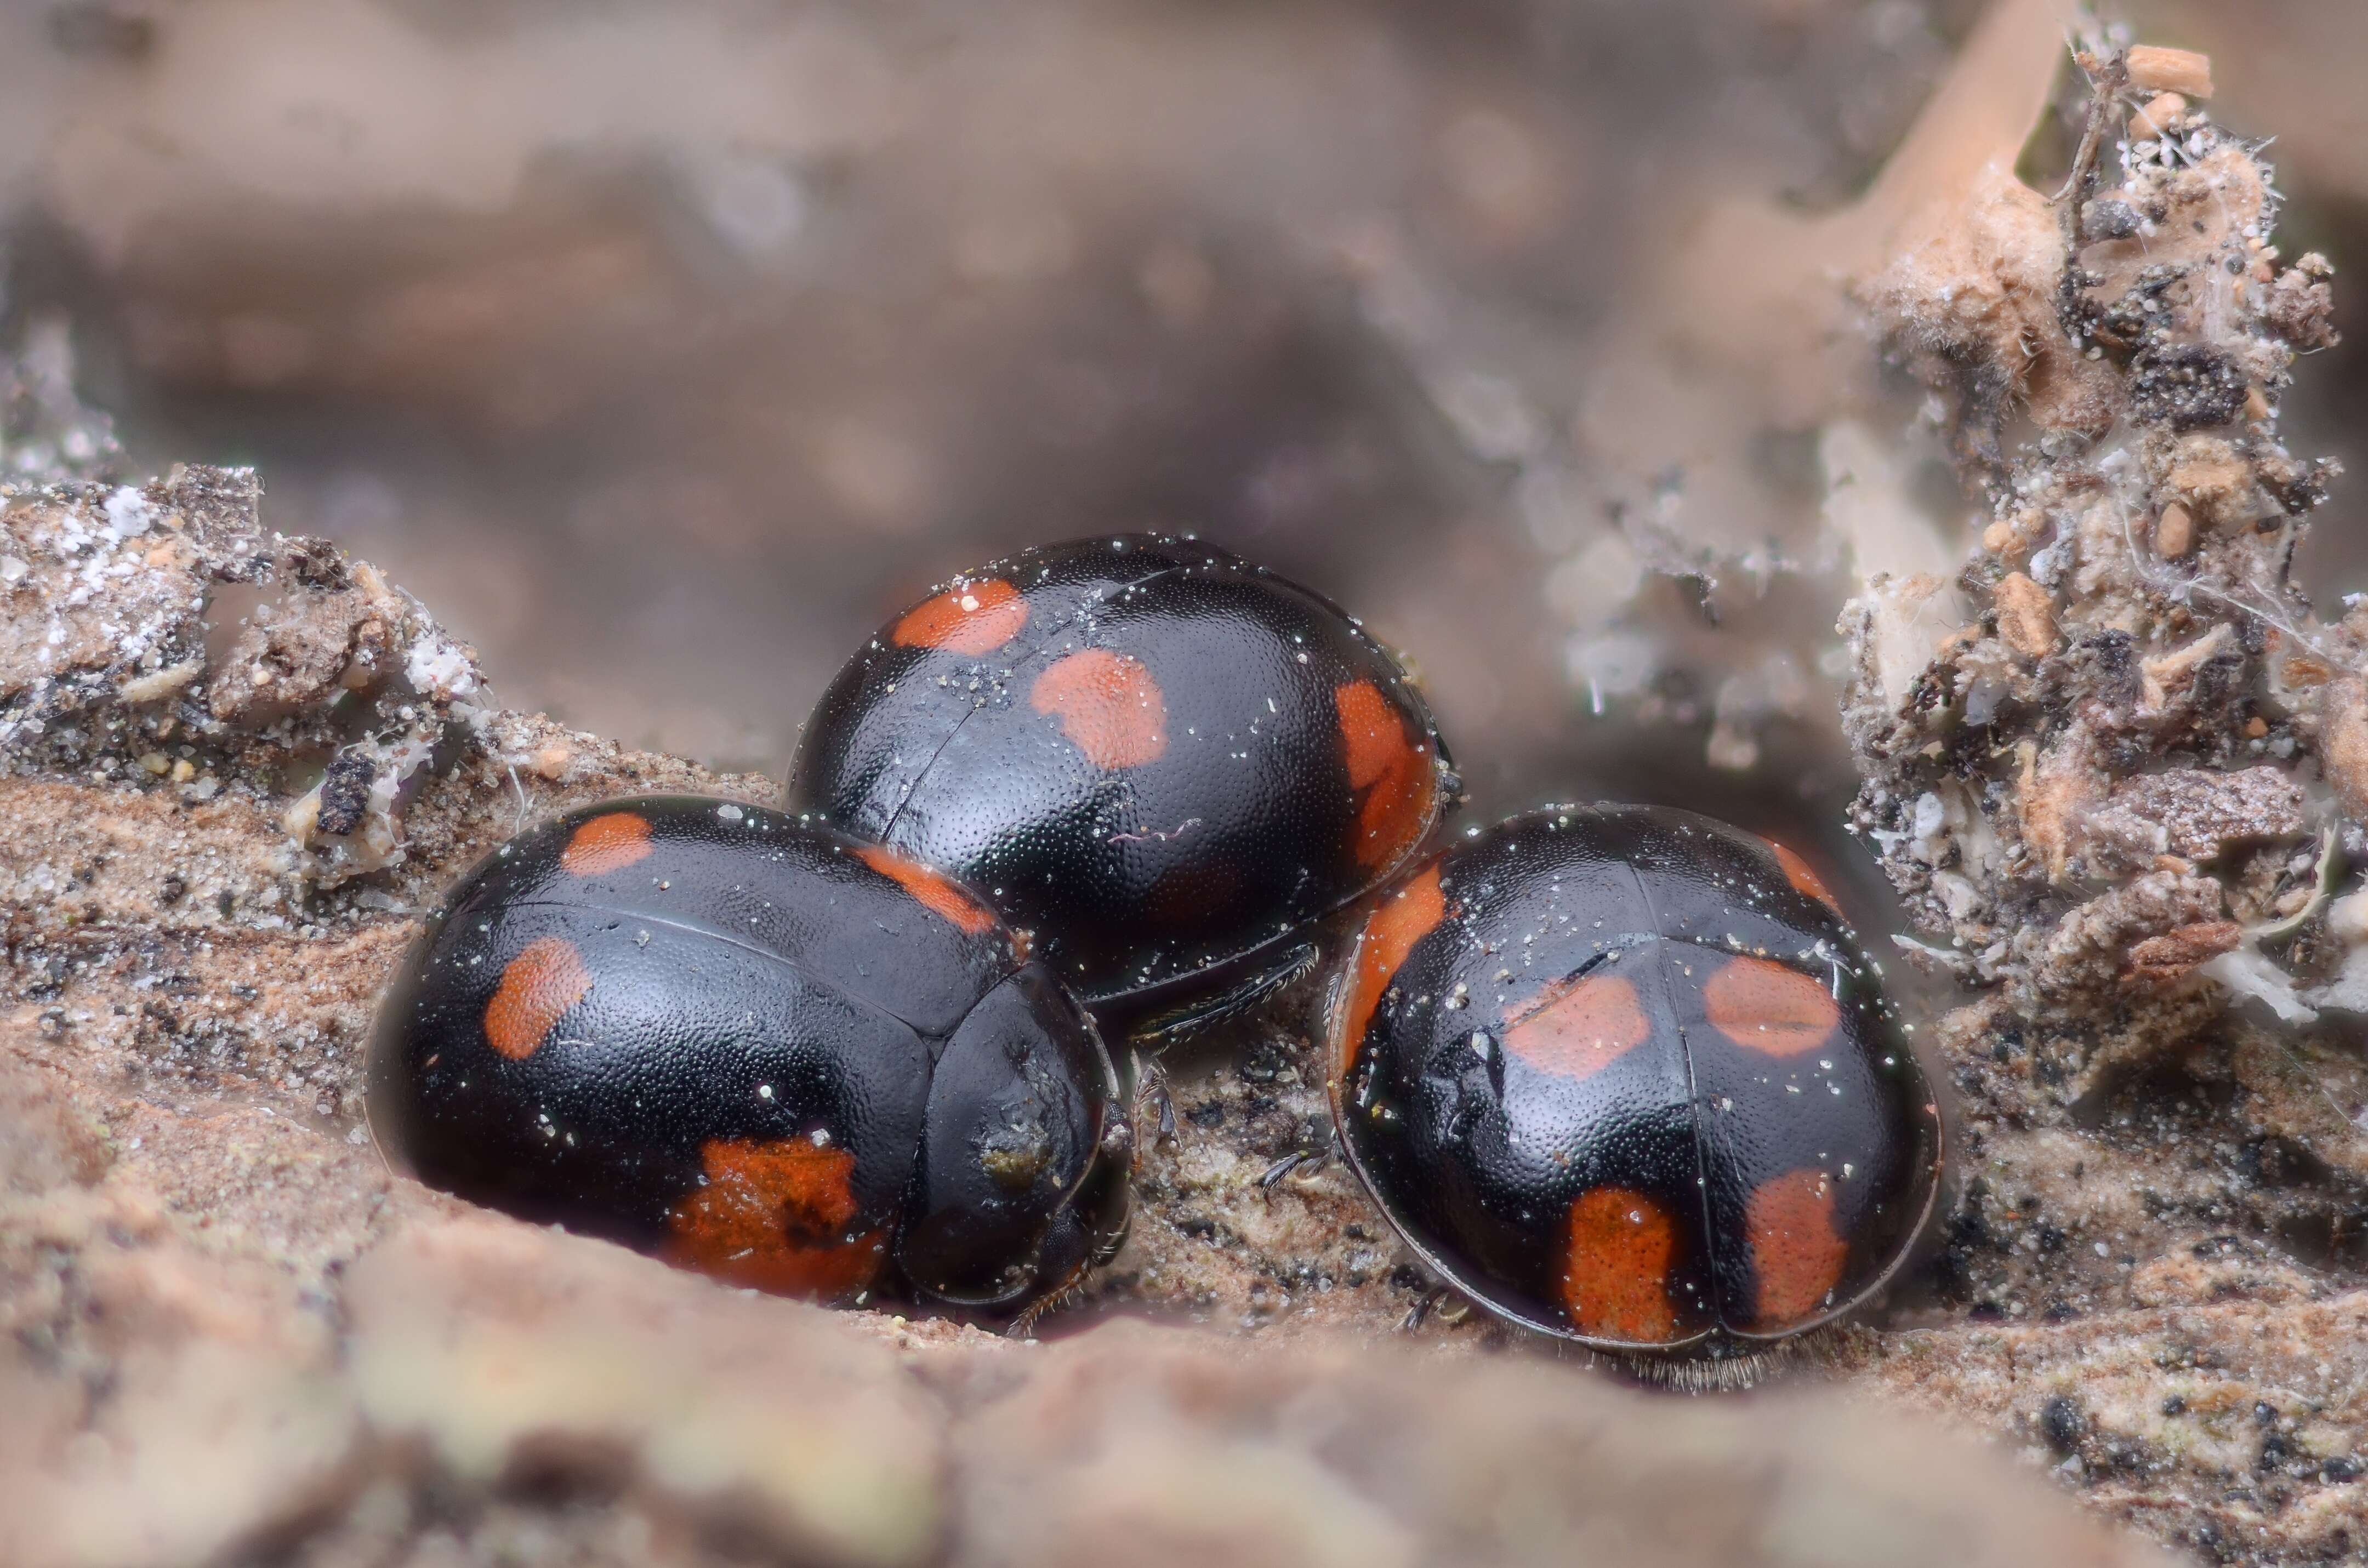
pixel 1153 755
pixel 754 1047
pixel 1623 1075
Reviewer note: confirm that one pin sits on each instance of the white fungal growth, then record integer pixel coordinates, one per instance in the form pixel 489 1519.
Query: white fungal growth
pixel 2247 974
pixel 128 514
pixel 440 670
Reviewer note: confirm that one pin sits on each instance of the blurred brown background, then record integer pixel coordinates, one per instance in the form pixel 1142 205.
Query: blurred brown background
pixel 663 349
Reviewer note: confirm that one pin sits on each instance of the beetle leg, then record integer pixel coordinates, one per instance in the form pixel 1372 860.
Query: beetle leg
pixel 1292 965
pixel 1067 1292
pixel 1440 1302
pixel 1309 1160
pixel 1151 1091
pixel 1167 1099
pixel 1284 1167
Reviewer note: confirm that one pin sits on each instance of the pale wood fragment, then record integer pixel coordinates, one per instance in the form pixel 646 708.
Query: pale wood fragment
pixel 2157 69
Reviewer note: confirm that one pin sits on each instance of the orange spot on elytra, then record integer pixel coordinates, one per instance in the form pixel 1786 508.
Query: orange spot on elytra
pixel 1795 1252
pixel 1761 1005
pixel 1404 918
pixel 1803 880
pixel 1575 1029
pixel 1108 707
pixel 971 617
pixel 1615 1282
pixel 941 897
pixel 546 979
pixel 609 842
pixel 1397 777
pixel 774 1215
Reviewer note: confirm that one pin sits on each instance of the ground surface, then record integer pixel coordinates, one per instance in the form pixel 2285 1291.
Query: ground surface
pixel 232 1330
pixel 232 1335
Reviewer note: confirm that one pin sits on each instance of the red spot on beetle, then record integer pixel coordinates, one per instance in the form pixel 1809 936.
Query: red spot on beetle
pixel 774 1215
pixel 609 842
pixel 969 618
pixel 1581 1027
pixel 1395 776
pixel 939 895
pixel 1761 1005
pixel 546 979
pixel 1795 1254
pixel 1615 1282
pixel 1109 706
pixel 1403 918
pixel 1803 880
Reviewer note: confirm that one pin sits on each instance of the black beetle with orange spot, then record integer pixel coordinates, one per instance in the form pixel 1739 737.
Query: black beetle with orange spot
pixel 1162 761
pixel 757 1049
pixel 1623 1075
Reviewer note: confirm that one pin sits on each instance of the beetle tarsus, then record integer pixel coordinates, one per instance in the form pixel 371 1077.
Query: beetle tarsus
pixel 1425 1305
pixel 1154 1105
pixel 1297 1160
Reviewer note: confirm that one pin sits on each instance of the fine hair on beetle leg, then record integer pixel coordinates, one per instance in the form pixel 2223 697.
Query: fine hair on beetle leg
pixel 1736 1368
pixel 1068 1293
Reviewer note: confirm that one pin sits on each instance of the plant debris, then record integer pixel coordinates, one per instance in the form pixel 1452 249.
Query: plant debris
pixel 2110 774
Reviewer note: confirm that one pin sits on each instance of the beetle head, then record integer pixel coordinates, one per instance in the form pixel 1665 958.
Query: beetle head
pixel 1024 1154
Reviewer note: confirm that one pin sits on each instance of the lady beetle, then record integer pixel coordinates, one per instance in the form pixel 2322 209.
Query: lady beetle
pixel 757 1049
pixel 1164 762
pixel 1623 1075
